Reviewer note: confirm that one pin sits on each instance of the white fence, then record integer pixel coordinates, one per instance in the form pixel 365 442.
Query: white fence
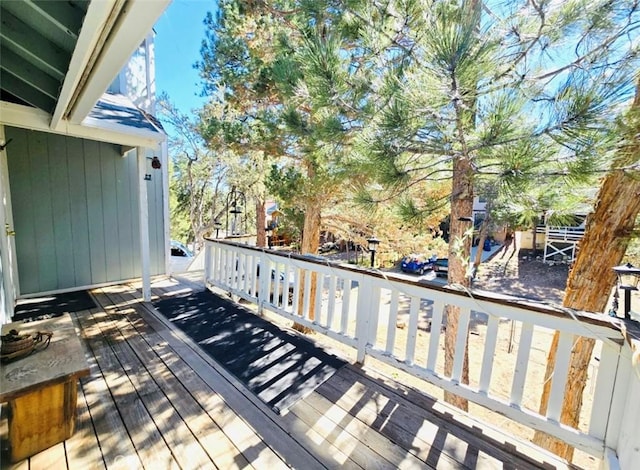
pixel 400 322
pixel 560 243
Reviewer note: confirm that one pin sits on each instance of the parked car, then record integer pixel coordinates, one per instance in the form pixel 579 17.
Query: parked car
pixel 178 249
pixel 417 264
pixel 281 283
pixel 327 247
pixel 441 266
pixel 181 257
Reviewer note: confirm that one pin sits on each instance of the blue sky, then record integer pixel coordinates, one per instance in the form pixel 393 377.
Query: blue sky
pixel 179 33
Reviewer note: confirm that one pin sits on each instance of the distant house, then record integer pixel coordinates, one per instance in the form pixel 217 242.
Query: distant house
pixel 82 200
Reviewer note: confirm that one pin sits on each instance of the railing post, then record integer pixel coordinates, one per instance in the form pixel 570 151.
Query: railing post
pixel 208 258
pixel 622 434
pixel 363 308
pixel 263 281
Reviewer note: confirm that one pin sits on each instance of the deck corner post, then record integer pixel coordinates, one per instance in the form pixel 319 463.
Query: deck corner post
pixel 363 309
pixel 208 258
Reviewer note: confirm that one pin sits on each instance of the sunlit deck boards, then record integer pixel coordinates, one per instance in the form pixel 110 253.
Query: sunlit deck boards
pixel 153 400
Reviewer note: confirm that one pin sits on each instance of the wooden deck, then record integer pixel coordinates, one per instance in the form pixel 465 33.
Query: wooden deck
pixel 155 400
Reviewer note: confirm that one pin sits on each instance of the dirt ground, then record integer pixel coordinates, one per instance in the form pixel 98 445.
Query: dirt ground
pixel 521 274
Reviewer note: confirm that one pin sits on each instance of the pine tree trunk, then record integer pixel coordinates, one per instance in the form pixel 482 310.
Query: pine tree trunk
pixel 461 206
pixel 605 242
pixel 309 245
pixel 261 216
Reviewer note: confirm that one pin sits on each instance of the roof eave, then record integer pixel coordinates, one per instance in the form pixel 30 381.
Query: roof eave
pixel 93 129
pixel 92 36
pixel 134 22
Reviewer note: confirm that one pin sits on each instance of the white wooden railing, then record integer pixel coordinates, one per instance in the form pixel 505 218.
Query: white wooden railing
pixel 566 234
pixel 400 322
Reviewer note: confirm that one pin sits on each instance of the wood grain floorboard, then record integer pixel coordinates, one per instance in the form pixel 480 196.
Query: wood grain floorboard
pixel 201 424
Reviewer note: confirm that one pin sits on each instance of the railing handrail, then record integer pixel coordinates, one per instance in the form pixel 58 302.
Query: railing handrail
pixel 600 320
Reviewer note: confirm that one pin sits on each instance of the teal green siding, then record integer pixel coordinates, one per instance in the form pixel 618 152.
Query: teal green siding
pixel 75 208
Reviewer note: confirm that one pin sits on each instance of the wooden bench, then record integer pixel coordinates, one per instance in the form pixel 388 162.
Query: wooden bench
pixel 41 389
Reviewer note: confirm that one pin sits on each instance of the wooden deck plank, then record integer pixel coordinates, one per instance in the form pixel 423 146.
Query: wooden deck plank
pixel 144 442
pixel 201 425
pixel 237 415
pixel 53 457
pixel 241 437
pixel 384 451
pixel 331 456
pixel 183 445
pixel 239 399
pixel 83 448
pixel 429 437
pixel 504 444
pixel 374 411
pixel 333 429
pixel 115 445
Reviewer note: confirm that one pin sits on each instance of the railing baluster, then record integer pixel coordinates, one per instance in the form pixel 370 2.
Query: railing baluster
pixel 603 395
pixel 286 286
pixel 374 314
pixel 228 275
pixel 276 283
pixel 306 301
pixel 346 300
pixel 522 363
pixel 437 309
pixel 264 279
pixel 331 301
pixel 296 291
pixel 318 299
pixel 219 264
pixel 242 267
pixel 208 257
pixel 362 316
pixel 461 343
pixel 251 276
pixel 559 381
pixel 247 273
pixel 414 311
pixel 488 356
pixel 393 321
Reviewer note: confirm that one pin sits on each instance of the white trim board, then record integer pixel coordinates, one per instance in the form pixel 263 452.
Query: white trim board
pixel 26 117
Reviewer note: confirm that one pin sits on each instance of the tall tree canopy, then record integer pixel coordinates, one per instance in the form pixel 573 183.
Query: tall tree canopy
pixel 504 94
pixel 344 96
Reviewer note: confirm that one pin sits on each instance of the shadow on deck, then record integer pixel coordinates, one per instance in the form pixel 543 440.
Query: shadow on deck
pixel 154 399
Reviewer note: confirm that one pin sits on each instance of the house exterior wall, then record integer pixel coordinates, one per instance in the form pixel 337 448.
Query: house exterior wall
pixel 137 79
pixel 75 211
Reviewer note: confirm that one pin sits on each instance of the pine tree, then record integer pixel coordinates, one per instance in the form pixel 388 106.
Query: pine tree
pixel 242 114
pixel 503 95
pixel 608 232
